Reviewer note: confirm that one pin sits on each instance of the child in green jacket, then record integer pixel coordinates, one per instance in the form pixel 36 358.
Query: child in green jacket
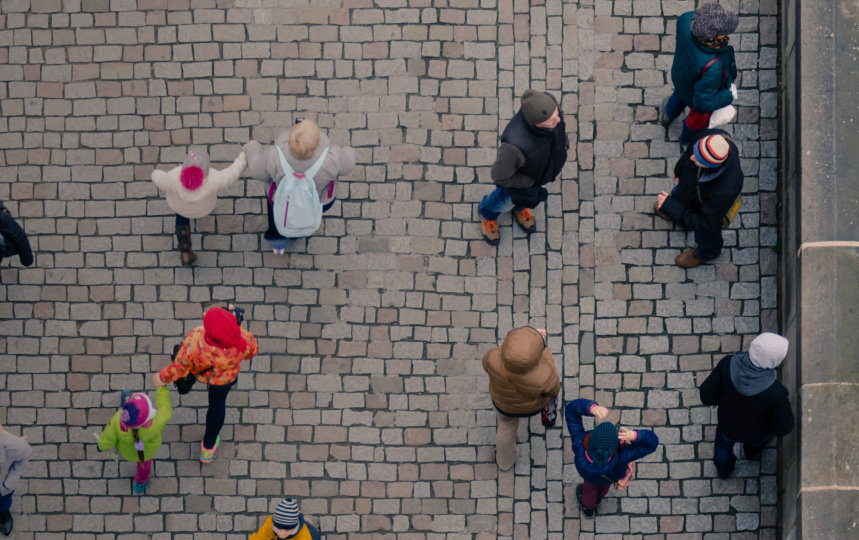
pixel 135 431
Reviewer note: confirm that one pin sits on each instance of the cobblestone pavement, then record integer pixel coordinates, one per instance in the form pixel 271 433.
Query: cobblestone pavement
pixel 368 401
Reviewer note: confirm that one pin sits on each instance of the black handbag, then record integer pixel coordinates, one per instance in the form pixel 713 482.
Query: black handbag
pixel 184 384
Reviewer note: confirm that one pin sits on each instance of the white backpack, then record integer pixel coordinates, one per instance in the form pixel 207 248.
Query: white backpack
pixel 296 207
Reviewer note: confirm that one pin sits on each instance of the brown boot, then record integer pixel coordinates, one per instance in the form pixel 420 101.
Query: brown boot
pixel 490 231
pixel 525 219
pixel 660 214
pixel 183 236
pixel 688 259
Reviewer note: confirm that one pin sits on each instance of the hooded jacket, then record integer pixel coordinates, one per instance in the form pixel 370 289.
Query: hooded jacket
pixel 196 356
pixel 13 239
pixel 615 468
pixel 151 436
pixel 522 373
pixel 711 90
pixel 306 532
pixel 15 453
pixel 201 201
pixel 747 419
pixel 264 165
pixel 701 206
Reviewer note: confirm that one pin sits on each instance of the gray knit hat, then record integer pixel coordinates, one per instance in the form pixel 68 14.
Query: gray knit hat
pixel 537 106
pixel 768 350
pixel 711 20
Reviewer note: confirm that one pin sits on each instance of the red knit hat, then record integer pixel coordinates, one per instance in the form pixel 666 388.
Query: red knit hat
pixel 222 330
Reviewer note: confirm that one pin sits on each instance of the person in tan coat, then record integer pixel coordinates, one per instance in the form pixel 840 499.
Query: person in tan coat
pixel 523 379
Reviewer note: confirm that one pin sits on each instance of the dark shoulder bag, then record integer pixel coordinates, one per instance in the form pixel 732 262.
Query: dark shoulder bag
pixel 183 385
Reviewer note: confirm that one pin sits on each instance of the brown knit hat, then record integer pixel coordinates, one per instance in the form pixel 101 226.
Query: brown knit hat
pixel 537 106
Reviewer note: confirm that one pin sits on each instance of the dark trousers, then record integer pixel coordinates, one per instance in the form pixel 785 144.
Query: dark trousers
pixel 216 413
pixel 708 244
pixel 182 221
pixel 592 494
pixel 6 501
pixel 675 108
pixel 723 451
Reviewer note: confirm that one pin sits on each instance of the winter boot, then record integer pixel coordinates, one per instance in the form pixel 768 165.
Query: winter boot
pixel 183 236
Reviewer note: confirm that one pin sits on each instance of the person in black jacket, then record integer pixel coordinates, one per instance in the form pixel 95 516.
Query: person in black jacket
pixel 13 239
pixel 709 180
pixel 753 407
pixel 532 153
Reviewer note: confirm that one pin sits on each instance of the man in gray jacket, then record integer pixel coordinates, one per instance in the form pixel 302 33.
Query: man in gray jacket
pixel 532 153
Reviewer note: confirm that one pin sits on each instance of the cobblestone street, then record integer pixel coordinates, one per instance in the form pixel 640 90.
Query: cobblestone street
pixel 368 402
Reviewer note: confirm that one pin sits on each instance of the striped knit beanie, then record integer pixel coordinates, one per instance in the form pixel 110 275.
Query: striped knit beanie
pixel 286 515
pixel 711 151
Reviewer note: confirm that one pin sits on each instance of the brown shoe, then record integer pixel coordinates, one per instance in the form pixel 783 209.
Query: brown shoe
pixel 490 231
pixel 525 219
pixel 183 237
pixel 688 259
pixel 660 214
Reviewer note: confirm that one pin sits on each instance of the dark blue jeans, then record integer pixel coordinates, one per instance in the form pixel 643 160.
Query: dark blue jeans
pixel 496 203
pixel 6 501
pixel 708 244
pixel 723 451
pixel 217 412
pixel 182 221
pixel 675 108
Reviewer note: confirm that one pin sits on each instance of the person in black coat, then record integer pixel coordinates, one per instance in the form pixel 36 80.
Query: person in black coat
pixel 753 407
pixel 13 239
pixel 709 181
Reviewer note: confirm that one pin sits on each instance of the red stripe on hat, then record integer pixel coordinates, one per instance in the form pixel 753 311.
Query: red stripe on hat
pixel 712 154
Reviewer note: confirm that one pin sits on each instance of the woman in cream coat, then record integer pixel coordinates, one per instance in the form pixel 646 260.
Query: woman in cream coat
pixel 192 192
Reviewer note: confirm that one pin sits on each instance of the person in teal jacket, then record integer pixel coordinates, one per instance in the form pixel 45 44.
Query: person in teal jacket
pixel 704 69
pixel 135 431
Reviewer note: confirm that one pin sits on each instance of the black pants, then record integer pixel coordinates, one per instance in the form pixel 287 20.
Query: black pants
pixel 216 413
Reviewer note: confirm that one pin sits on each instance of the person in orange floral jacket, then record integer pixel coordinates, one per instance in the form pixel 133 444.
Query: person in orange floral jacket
pixel 213 354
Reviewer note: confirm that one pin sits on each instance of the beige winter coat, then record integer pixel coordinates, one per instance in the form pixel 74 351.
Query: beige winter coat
pixel 264 164
pixel 201 201
pixel 522 373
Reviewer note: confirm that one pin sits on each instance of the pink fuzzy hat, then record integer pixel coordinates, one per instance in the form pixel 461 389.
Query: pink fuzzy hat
pixel 137 412
pixel 194 169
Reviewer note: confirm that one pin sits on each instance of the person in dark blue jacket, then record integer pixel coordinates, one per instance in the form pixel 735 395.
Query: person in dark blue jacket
pixel 13 239
pixel 704 69
pixel 602 455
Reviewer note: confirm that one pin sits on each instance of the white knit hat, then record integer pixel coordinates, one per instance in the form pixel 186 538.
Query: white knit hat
pixel 768 350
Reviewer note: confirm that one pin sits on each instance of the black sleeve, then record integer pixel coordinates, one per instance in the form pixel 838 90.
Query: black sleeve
pixel 17 237
pixel 782 417
pixel 682 161
pixel 711 388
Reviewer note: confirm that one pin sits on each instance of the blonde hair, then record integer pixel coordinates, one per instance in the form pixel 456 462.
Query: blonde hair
pixel 303 139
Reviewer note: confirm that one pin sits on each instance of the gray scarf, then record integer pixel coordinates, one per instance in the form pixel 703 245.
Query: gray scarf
pixel 748 378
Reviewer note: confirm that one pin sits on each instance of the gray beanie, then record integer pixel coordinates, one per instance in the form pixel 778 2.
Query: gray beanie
pixel 537 106
pixel 711 20
pixel 768 350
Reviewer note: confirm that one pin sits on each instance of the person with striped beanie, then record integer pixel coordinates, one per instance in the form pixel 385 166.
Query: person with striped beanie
pixel 287 522
pixel 707 195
